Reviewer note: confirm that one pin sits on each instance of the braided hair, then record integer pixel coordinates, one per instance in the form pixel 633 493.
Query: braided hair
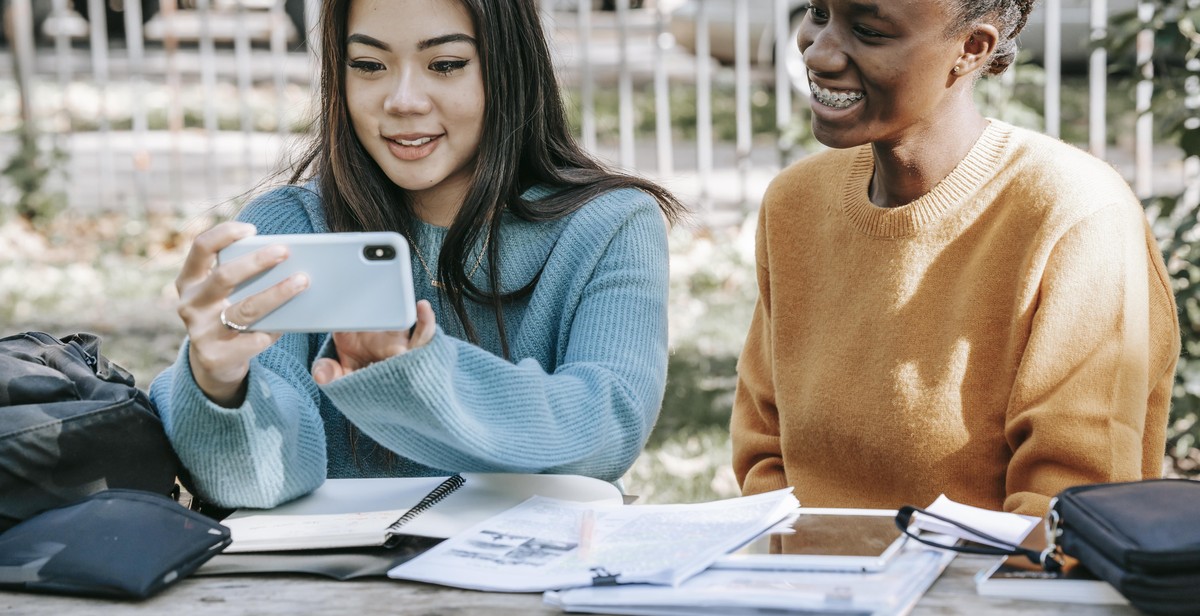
pixel 1010 17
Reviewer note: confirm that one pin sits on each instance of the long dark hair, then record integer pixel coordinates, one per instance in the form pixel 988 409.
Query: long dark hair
pixel 525 141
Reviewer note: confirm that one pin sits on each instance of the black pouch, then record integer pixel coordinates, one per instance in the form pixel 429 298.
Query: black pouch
pixel 116 543
pixel 1143 537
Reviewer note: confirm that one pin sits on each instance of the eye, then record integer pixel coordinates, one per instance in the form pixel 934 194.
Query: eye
pixel 867 33
pixel 366 66
pixel 448 67
pixel 816 14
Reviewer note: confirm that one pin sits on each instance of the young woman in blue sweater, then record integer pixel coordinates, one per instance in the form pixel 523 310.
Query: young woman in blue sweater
pixel 541 336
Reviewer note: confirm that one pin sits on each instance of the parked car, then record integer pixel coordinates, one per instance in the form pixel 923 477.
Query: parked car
pixel 1075 29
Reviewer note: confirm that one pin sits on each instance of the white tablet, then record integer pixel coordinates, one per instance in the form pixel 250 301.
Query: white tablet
pixel 826 540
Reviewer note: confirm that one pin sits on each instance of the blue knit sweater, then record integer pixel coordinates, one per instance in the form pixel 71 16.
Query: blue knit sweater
pixel 589 349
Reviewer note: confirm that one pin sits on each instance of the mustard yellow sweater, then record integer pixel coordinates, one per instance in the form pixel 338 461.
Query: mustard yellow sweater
pixel 1005 336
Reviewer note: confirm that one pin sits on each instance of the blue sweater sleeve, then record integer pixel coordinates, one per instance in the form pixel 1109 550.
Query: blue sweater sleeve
pixel 455 406
pixel 272 448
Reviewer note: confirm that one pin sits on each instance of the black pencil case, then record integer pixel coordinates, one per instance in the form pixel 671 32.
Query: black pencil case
pixel 115 543
pixel 1143 537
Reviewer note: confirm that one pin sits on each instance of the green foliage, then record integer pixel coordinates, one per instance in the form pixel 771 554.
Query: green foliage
pixel 1175 70
pixel 27 172
pixel 683 111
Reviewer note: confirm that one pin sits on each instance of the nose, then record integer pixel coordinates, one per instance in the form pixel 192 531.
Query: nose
pixel 408 95
pixel 821 48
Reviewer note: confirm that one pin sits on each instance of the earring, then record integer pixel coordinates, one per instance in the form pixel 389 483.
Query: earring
pixel 957 69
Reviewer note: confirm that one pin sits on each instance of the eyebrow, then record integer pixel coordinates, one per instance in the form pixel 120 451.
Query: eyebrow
pixel 445 39
pixel 866 8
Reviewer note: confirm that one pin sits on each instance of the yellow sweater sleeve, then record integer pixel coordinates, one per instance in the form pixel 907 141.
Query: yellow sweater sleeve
pixel 1087 404
pixel 754 427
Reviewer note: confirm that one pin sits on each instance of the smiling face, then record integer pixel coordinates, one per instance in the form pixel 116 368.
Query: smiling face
pixel 414 91
pixel 880 71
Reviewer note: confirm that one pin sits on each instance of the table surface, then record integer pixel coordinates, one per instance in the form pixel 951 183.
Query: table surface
pixel 953 593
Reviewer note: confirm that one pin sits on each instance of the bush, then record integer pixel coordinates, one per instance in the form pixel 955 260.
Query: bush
pixel 1176 78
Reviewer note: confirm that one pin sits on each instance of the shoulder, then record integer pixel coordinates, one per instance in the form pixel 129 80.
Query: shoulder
pixel 613 211
pixel 811 186
pixel 286 209
pixel 1062 184
pixel 816 176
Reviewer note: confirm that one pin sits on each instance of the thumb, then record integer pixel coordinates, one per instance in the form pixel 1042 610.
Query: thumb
pixel 325 371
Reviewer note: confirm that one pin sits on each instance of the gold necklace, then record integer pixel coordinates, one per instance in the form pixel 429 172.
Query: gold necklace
pixel 433 280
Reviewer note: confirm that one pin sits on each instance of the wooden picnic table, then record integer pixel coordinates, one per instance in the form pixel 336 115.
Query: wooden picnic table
pixel 953 593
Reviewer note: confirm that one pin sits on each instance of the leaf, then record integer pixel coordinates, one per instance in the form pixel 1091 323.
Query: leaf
pixel 1189 141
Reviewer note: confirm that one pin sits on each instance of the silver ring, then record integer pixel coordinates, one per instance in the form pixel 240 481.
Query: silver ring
pixel 230 324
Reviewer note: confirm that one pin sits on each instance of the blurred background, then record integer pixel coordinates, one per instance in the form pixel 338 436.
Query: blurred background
pixel 129 126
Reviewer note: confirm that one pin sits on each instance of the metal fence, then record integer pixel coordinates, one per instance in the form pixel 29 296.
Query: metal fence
pixel 195 106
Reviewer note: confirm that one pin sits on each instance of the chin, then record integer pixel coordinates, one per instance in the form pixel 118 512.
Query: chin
pixel 837 138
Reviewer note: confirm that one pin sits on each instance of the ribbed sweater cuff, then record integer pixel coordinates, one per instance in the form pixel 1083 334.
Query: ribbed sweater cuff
pixel 416 376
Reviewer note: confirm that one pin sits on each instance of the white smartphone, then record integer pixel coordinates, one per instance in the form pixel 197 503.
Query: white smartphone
pixel 357 282
pixel 859 540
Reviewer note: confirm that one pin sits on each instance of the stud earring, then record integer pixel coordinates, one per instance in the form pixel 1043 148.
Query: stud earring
pixel 956 70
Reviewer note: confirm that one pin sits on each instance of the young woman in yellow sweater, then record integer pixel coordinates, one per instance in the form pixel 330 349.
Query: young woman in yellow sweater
pixel 947 303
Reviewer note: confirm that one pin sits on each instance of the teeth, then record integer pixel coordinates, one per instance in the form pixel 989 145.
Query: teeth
pixel 837 100
pixel 421 141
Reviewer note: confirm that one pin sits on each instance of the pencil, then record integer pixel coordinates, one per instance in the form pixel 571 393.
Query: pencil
pixel 587 525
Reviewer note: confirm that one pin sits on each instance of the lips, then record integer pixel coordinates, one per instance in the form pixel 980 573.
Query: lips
pixel 837 99
pixel 412 146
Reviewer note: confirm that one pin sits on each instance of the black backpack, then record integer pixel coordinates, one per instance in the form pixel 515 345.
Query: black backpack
pixel 72 423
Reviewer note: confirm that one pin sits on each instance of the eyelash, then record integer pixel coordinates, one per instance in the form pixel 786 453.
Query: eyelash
pixel 441 67
pixel 448 67
pixel 365 67
pixel 819 16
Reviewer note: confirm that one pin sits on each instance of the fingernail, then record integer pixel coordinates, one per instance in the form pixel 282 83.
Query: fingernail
pixel 298 282
pixel 275 253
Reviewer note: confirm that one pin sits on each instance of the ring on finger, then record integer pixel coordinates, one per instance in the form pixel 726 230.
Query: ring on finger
pixel 237 327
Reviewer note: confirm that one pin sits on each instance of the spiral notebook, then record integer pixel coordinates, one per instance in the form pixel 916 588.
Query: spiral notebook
pixel 346 513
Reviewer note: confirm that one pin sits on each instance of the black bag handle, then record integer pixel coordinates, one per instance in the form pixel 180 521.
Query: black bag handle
pixel 1047 558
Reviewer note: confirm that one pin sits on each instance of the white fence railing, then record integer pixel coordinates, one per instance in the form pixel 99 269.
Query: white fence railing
pixel 192 107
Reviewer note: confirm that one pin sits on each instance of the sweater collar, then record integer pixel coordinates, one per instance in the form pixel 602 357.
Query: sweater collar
pixel 972 171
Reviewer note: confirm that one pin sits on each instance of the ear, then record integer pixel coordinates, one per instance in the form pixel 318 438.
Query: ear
pixel 977 49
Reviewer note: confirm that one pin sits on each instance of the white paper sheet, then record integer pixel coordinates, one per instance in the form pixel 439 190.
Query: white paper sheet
pixel 1009 527
pixel 535 546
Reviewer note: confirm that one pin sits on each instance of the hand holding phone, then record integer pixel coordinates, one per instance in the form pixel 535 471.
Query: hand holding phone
pixel 356 282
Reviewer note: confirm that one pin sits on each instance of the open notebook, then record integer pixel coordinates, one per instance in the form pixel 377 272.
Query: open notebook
pixel 369 512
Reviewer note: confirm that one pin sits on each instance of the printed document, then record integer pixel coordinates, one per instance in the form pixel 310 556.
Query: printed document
pixel 544 544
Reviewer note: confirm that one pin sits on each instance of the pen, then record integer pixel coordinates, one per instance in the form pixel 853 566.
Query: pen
pixel 587 525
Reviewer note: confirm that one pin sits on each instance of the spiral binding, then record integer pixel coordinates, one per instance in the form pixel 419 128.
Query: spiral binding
pixel 446 488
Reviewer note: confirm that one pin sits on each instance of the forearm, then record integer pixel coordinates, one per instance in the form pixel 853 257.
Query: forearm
pixel 1084 401
pixel 267 451
pixel 464 409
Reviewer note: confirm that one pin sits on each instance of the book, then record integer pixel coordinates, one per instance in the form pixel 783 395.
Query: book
pixel 892 591
pixel 345 513
pixel 548 544
pixel 1014 577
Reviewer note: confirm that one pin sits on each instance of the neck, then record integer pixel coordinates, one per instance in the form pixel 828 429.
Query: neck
pixel 440 205
pixel 908 168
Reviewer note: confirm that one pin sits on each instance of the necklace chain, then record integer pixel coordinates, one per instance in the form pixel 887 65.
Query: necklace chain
pixel 433 280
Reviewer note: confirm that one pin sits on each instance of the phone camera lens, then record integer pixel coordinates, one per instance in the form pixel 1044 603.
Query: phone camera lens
pixel 381 252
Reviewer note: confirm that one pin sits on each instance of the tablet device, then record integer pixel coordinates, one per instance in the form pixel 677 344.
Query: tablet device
pixel 857 540
pixel 357 282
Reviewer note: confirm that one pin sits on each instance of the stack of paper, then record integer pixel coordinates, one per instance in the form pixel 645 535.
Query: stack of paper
pixel 547 544
pixel 890 592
